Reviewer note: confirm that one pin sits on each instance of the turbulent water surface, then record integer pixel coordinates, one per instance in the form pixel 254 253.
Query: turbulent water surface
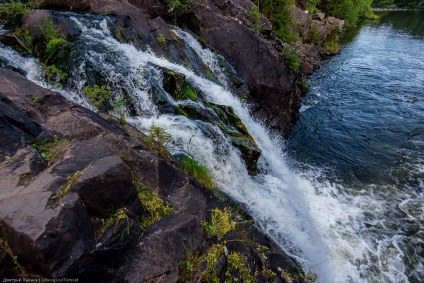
pixel 362 123
pixel 344 194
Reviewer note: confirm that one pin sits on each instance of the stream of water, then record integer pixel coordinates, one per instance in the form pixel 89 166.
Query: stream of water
pixel 324 195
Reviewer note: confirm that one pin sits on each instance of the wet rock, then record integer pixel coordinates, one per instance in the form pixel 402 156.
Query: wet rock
pixel 33 20
pixel 107 186
pixel 255 59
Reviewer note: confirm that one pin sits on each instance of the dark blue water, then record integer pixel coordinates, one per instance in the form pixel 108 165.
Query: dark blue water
pixel 362 123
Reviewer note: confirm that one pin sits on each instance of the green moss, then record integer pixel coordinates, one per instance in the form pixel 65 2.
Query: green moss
pixel 153 205
pixel 188 91
pixel 54 74
pixel 221 223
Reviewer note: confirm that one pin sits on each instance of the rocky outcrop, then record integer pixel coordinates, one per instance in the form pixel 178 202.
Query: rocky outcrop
pixel 274 90
pixel 71 183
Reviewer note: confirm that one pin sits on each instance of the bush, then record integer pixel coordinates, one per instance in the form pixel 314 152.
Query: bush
pixel 177 8
pixel 15 9
pixel 291 57
pixel 158 139
pixel 255 20
pixel 97 95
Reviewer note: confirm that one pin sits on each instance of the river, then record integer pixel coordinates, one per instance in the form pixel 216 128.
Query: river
pixel 343 195
pixel 362 129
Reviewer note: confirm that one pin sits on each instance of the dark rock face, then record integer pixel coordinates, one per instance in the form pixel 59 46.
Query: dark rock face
pixel 224 27
pixel 164 249
pixel 106 186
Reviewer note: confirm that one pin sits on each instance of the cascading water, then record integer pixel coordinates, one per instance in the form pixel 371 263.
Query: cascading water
pixel 309 217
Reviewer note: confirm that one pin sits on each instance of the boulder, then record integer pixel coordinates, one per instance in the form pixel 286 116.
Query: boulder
pixel 164 244
pixel 106 186
pixel 48 242
pixel 16 128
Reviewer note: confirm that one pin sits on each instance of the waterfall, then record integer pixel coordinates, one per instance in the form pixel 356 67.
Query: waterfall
pixel 309 218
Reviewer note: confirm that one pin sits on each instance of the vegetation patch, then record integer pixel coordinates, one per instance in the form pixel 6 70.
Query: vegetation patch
pixel 4 245
pixel 67 188
pixel 161 39
pixel 291 57
pixel 16 8
pixel 188 92
pixel 97 95
pixel 158 138
pixel 113 219
pixel 238 263
pixel 49 149
pixel 177 8
pixel 255 20
pixel 197 171
pixel 153 205
pixel 221 223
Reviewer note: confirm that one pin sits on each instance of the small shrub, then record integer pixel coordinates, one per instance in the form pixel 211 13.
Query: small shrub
pixel 117 107
pixel 161 39
pixel 35 99
pixel 255 20
pixel 291 57
pixel 153 205
pixel 4 245
pixel 54 74
pixel 220 224
pixel 97 95
pixel 313 36
pixel 158 139
pixel 55 40
pixel 177 8
pixel 23 34
pixel 236 262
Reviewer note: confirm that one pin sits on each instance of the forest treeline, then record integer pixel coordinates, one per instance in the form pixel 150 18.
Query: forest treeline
pixel 399 3
pixel 276 11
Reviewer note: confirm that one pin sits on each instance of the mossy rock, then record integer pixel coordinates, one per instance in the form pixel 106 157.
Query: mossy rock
pixel 177 86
